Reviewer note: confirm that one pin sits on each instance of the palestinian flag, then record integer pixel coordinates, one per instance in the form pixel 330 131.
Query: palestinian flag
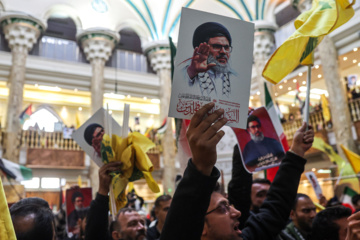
pixel 15 171
pixel 274 114
pixel 163 127
pixel 25 115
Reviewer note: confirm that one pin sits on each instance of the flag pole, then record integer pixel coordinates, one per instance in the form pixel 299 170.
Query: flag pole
pixel 307 100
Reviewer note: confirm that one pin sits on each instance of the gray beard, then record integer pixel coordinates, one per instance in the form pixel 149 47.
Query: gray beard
pixel 222 68
pixel 257 138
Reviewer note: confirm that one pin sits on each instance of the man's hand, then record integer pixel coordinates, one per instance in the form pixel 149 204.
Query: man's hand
pixel 302 140
pixel 203 135
pixel 199 60
pixel 353 232
pixel 105 177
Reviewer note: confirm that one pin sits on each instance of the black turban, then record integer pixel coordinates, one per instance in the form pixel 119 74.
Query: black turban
pixel 209 30
pixel 89 131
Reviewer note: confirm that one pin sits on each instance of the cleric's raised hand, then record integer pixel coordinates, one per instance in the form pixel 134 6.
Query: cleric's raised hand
pixel 302 140
pixel 199 60
pixel 203 135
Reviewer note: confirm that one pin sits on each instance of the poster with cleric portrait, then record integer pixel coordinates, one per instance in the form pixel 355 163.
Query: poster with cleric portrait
pixel 90 134
pixel 213 64
pixel 259 144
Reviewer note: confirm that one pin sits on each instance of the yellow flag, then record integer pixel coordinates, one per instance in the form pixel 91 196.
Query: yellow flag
pixel 353 158
pixel 325 108
pixel 311 26
pixel 6 227
pixel 79 181
pixel 78 124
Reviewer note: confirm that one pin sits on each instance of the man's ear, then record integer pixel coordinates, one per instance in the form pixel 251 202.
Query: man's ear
pixel 115 235
pixel 205 230
pixel 292 214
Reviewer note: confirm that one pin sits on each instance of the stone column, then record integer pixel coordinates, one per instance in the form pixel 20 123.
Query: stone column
pixel 337 95
pixel 158 53
pixel 264 44
pixel 21 32
pixel 98 45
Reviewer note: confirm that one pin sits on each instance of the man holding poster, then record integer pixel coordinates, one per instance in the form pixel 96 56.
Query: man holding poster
pixel 209 69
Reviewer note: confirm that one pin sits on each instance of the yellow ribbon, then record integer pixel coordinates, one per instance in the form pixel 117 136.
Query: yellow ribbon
pixel 131 151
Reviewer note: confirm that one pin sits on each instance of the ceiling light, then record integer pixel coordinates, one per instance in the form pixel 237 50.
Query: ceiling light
pixel 145 98
pixel 110 112
pixel 355 49
pixel 324 171
pixel 36 85
pixel 294 80
pixel 285 81
pixel 155 100
pixel 354 61
pixel 293 104
pixel 316 66
pixel 251 97
pixel 319 76
pixel 345 58
pixel 300 74
pixel 138 114
pixel 128 96
pixel 359 64
pixel 304 82
pixel 114 96
pixel 289 88
pixel 276 94
pixel 75 90
pixel 80 108
pixel 280 86
pixel 313 169
pixel 257 93
pixel 48 88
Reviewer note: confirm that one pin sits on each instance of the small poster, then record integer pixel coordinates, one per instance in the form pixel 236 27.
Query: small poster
pixel 259 144
pixel 352 81
pixel 314 183
pixel 77 205
pixel 90 134
pixel 213 64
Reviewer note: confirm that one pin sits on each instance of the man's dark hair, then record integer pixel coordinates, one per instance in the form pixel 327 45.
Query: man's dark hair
pixel 324 226
pixel 209 30
pixel 114 226
pixel 355 199
pixel 162 198
pixel 252 118
pixel 76 195
pixel 117 224
pixel 261 181
pixel 89 131
pixel 30 201
pixel 299 195
pixel 42 227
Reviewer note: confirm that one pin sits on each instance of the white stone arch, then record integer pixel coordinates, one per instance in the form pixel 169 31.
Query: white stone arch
pixel 65 11
pixel 139 29
pixel 2 7
pixel 49 116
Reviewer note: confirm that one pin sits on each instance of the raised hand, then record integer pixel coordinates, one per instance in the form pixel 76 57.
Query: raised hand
pixel 105 177
pixel 302 140
pixel 353 232
pixel 203 135
pixel 199 60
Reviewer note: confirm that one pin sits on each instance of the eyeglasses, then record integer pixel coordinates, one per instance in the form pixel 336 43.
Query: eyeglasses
pixel 218 47
pixel 223 208
pixel 256 126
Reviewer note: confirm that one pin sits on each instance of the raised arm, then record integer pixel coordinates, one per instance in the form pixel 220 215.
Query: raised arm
pixel 97 218
pixel 185 218
pixel 275 210
pixel 199 60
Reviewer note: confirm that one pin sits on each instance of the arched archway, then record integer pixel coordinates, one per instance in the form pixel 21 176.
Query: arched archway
pixel 44 118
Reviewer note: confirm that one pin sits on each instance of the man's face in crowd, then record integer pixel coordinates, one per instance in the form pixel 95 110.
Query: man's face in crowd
pixel 132 226
pixel 221 223
pixel 162 211
pixel 304 214
pixel 258 194
pixel 343 227
pixel 97 138
pixel 79 203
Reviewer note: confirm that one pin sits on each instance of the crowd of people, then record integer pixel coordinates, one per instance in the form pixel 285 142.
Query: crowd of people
pixel 253 209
